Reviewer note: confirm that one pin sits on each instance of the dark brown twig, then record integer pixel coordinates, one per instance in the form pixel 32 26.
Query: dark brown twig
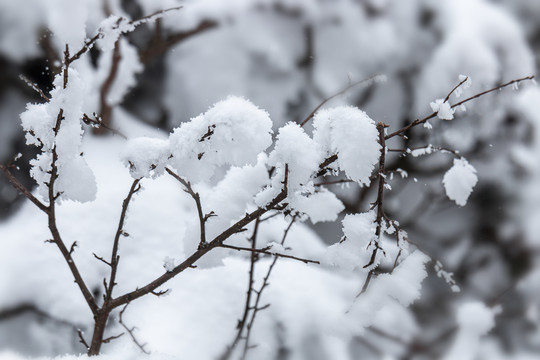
pixel 35 87
pixel 99 123
pixel 197 198
pixel 105 109
pixel 256 308
pixel 247 306
pixel 334 182
pixel 341 92
pixel 267 252
pixel 216 242
pixel 23 190
pixel 135 186
pixel 380 195
pixel 455 88
pixel 432 115
pixel 131 330
pixel 82 340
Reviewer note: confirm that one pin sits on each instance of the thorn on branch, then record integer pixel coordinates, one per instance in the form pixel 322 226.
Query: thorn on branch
pixel 159 293
pixel 72 248
pixel 209 215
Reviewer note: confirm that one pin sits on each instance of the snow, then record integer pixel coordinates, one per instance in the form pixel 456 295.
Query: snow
pixel 401 287
pixel 128 67
pixel 67 21
pixel 459 181
pixel 351 134
pixel 39 121
pixel 232 132
pixel 474 321
pixel 293 147
pixel 443 109
pixel 146 157
pixel 319 206
pixel 352 252
pixel 111 28
pixel 169 264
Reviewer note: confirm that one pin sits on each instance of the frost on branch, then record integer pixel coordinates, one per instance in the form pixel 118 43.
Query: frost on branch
pixel 232 132
pixel 459 181
pixel 55 127
pixel 351 134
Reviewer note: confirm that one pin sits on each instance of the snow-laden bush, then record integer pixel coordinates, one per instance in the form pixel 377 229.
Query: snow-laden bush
pixel 211 218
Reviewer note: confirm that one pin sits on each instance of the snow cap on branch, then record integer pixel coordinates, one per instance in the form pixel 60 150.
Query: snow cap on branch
pixel 146 157
pixel 352 252
pixel 459 181
pixel 351 134
pixel 232 132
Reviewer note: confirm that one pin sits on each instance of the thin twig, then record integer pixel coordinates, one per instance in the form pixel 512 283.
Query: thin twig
pixel 432 115
pixel 111 338
pixel 197 198
pixel 82 340
pixel 341 92
pixel 455 88
pixel 267 252
pixel 334 182
pixel 135 186
pixel 35 87
pixel 131 330
pixel 256 307
pixel 247 306
pixel 380 194
pixel 22 189
pixel 105 109
pixel 215 243
pixel 98 122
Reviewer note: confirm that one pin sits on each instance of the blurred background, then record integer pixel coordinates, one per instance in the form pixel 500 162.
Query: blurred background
pixel 286 56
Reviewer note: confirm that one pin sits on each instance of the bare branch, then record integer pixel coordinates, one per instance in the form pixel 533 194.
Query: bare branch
pixel 111 338
pixel 159 45
pixel 34 87
pixel 81 339
pixel 247 307
pixel 105 109
pixel 197 198
pixel 341 92
pixel 455 88
pixel 334 182
pixel 432 115
pixel 131 330
pixel 259 292
pixel 99 123
pixel 267 252
pixel 216 242
pixel 135 186
pixel 22 189
pixel 102 259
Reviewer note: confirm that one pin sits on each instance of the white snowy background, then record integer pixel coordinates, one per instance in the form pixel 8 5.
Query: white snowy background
pixel 467 286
